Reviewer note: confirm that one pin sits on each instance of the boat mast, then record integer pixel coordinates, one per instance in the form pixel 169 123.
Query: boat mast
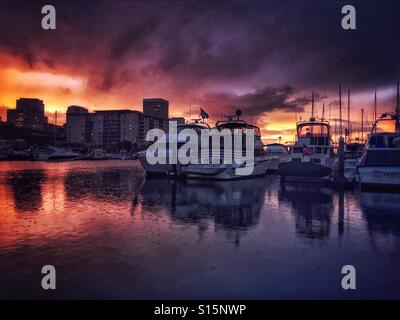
pixel 190 108
pixel 375 111
pixel 348 115
pixel 375 107
pixel 398 101
pixel 362 125
pixel 55 128
pixel 340 111
pixel 312 105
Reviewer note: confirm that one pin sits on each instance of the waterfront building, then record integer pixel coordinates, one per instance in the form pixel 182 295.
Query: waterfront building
pixel 109 132
pixel 108 128
pixel 76 125
pixel 130 123
pixel 156 107
pixel 29 113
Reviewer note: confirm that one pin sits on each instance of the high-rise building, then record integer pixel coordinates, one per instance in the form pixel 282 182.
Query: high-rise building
pixel 29 113
pixel 156 107
pixel 78 126
pixel 130 127
pixel 107 126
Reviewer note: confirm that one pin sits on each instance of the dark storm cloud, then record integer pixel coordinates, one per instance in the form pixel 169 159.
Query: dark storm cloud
pixel 256 103
pixel 197 44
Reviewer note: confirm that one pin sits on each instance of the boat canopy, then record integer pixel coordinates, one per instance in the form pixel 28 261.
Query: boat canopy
pixel 313 129
pixel 194 126
pixel 238 124
pixel 389 125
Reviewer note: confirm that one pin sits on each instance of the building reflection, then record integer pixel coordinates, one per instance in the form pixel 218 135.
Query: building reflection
pixel 108 185
pixel 312 207
pixel 381 212
pixel 232 205
pixel 26 188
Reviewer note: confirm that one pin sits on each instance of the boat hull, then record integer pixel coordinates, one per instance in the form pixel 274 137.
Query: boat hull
pixel 389 176
pixel 273 165
pixel 222 172
pixel 159 168
pixel 62 158
pixel 304 170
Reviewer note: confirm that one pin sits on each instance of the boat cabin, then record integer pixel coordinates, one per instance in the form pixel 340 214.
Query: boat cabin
pixel 313 143
pixel 383 146
pixel 238 124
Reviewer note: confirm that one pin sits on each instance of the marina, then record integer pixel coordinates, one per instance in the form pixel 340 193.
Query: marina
pixel 181 151
pixel 111 233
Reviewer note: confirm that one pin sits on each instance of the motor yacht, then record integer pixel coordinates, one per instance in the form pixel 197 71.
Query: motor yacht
pixel 276 153
pixel 227 170
pixel 380 163
pixel 165 168
pixel 312 156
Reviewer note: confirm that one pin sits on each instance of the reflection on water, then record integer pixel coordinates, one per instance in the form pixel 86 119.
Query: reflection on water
pixel 26 188
pixel 229 204
pixel 132 237
pixel 381 212
pixel 312 207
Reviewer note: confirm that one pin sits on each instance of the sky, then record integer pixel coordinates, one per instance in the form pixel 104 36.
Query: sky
pixel 264 57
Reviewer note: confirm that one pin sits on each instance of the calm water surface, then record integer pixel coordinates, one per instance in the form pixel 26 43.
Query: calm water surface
pixel 112 233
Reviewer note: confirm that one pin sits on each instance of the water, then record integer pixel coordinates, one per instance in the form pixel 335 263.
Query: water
pixel 112 233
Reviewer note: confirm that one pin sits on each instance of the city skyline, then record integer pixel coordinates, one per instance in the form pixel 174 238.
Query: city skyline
pixel 220 56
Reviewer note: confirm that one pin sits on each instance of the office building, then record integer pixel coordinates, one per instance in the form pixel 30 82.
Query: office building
pixel 156 107
pixel 108 128
pixel 29 113
pixel 76 126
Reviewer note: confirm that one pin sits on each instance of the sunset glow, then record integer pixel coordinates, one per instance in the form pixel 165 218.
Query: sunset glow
pixel 117 58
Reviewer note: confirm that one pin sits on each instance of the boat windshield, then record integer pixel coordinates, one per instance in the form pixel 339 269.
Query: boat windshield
pixel 390 158
pixel 384 140
pixel 387 125
pixel 241 126
pixel 195 126
pixel 309 129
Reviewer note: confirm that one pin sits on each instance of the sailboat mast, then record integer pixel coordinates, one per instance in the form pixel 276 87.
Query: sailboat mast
pixel 375 107
pixel 340 111
pixel 190 109
pixel 55 128
pixel 398 101
pixel 362 125
pixel 312 105
pixel 348 114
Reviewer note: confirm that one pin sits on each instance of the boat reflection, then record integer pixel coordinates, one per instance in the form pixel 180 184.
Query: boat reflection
pixel 312 207
pixel 231 205
pixel 381 212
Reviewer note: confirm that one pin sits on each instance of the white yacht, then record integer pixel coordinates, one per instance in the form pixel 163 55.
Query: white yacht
pixel 380 163
pixel 312 155
pixel 169 169
pixel 226 171
pixel 95 154
pixel 56 154
pixel 276 153
pixel 352 154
